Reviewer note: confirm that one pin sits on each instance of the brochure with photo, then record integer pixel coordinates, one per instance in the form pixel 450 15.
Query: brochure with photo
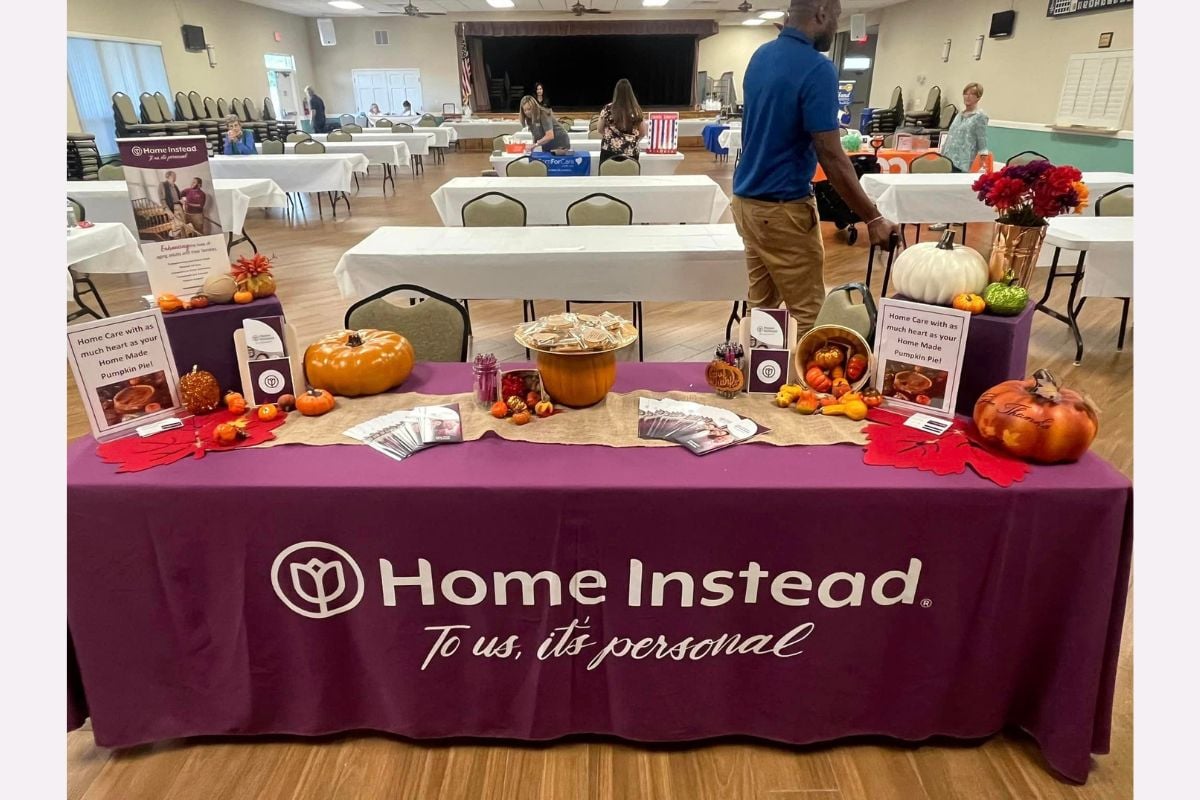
pixel 701 429
pixel 401 433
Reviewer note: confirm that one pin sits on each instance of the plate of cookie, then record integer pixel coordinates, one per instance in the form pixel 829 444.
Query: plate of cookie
pixel 569 333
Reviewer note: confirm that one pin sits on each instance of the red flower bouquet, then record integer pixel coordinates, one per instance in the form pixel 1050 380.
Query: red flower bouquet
pixel 1026 194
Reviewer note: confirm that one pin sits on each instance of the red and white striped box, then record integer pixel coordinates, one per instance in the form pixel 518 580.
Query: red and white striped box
pixel 664 132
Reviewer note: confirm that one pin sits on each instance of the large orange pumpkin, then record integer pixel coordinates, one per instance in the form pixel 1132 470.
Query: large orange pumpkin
pixel 1037 420
pixel 355 363
pixel 578 379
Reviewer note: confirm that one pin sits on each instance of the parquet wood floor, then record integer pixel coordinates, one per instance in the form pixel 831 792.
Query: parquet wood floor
pixel 370 766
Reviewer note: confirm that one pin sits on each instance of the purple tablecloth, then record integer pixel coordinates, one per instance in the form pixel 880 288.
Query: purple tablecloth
pixel 188 614
pixel 204 337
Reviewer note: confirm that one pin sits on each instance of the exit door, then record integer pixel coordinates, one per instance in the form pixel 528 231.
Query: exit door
pixel 282 85
pixel 855 61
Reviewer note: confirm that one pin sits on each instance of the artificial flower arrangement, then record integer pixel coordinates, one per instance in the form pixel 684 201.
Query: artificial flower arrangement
pixel 1026 194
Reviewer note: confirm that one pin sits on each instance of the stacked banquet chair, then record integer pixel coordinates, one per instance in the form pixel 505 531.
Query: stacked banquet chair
pixel 186 112
pixel 212 110
pixel 83 157
pixel 153 114
pixel 928 116
pixel 886 120
pixel 283 127
pixel 128 124
pixel 260 130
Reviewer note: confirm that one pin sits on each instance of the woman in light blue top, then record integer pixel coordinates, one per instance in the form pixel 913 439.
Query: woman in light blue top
pixel 967 136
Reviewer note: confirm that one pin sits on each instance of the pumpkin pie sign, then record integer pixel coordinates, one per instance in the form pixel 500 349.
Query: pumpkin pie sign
pixel 919 351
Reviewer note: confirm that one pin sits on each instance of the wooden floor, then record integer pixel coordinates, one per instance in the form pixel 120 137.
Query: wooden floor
pixel 370 766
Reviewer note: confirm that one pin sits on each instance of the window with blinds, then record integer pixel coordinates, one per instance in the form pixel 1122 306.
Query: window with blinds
pixel 1096 90
pixel 98 68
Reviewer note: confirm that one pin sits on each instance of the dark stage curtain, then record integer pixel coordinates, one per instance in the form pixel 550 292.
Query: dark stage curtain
pixel 581 71
pixel 699 28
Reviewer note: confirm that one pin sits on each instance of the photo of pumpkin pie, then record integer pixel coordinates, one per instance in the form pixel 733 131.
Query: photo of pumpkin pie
pixel 134 397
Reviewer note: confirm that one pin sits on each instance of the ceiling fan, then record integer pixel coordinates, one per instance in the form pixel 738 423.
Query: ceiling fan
pixel 410 10
pixel 579 9
pixel 745 7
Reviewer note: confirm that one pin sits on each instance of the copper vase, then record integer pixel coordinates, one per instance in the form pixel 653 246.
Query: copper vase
pixel 1015 248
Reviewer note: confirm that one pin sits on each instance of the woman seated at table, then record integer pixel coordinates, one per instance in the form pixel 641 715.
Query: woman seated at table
pixel 237 141
pixel 547 132
pixel 622 124
pixel 967 137
pixel 374 111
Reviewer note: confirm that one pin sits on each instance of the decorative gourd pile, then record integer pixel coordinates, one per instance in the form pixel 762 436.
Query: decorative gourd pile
pixel 249 279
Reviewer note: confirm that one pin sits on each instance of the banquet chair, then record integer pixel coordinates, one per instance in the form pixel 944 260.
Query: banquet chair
pixel 212 111
pixel 282 127
pixel 153 114
pixel 604 209
pixel 272 147
pixel 210 127
pixel 350 129
pixel 437 327
pixel 402 127
pixel 1024 157
pixel 886 120
pixel 498 143
pixel 313 147
pixel 928 116
pixel 497 210
pixel 566 122
pixel 183 127
pixel 361 120
pixel 427 121
pixel 222 107
pixel 526 167
pixel 384 123
pixel 81 282
pixel 930 164
pixel 298 136
pixel 346 119
pixel 250 120
pixel 111 172
pixel 127 122
pixel 339 136
pixel 945 119
pixel 620 165
pixel 1115 203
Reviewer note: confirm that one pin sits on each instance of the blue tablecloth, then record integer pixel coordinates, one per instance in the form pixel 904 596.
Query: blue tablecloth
pixel 710 133
pixel 575 165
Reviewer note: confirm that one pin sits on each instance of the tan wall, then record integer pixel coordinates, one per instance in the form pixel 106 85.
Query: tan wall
pixel 1022 76
pixel 240 33
pixel 731 49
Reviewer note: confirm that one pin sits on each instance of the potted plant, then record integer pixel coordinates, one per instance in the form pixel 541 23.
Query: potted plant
pixel 1025 195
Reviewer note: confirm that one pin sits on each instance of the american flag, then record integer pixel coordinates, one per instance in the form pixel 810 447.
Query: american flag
pixel 464 67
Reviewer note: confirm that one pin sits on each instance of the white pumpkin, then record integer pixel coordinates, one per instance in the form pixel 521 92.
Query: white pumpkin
pixel 220 288
pixel 934 272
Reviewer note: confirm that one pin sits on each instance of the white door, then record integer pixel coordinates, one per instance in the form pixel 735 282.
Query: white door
pixel 283 93
pixel 387 88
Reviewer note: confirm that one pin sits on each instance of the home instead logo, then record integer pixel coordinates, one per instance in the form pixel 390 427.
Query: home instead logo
pixel 317 580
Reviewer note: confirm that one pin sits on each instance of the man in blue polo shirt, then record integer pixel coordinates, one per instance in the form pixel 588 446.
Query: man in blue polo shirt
pixel 790 121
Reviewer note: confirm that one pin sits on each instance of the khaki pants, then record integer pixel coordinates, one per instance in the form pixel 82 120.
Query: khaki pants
pixel 785 257
pixel 198 222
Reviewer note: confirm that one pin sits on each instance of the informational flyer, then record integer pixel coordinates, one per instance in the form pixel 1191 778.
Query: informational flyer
pixel 175 208
pixel 124 371
pixel 268 359
pixel 919 351
pixel 770 335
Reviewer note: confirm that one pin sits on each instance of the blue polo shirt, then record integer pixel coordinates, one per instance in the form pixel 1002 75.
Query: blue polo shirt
pixel 791 93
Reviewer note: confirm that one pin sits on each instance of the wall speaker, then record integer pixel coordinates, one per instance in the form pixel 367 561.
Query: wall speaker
pixel 193 38
pixel 325 32
pixel 1002 24
pixel 858 27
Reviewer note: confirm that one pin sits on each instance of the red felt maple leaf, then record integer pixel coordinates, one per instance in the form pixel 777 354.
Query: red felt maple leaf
pixel 133 453
pixel 897 445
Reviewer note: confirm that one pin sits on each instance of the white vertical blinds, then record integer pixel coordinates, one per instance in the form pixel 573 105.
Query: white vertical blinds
pixel 98 68
pixel 1096 89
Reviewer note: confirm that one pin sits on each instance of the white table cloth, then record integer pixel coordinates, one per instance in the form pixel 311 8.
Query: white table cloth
pixel 666 199
pixel 395 153
pixel 652 163
pixel 483 129
pixel 694 127
pixel 905 197
pixel 732 141
pixel 105 247
pixel 579 141
pixel 641 262
pixel 1108 266
pixel 408 119
pixel 418 142
pixel 441 137
pixel 318 172
pixel 108 201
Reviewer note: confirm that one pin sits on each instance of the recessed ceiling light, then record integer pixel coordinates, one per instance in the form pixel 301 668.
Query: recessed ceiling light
pixel 772 15
pixel 501 3
pixel 348 5
pixel 754 22
pixel 654 3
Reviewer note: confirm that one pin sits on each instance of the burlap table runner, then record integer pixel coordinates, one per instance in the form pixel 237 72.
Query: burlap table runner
pixel 612 422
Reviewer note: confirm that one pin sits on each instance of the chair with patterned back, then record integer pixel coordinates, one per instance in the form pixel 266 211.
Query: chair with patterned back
pixel 298 136
pixel 604 209
pixel 620 165
pixel 437 327
pixel 1024 157
pixel 526 167
pixel 338 136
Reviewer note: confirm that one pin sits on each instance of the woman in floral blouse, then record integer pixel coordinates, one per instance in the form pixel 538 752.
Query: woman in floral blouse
pixel 622 124
pixel 967 136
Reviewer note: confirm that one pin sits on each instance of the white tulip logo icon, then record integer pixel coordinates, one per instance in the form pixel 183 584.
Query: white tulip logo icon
pixel 316 586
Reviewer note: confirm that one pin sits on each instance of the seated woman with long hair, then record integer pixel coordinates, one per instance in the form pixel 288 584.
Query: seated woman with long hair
pixel 547 132
pixel 622 124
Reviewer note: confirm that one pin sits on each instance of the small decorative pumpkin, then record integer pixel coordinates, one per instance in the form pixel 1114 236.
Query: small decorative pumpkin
pixel 254 274
pixel 1005 299
pixel 315 402
pixel 357 363
pixel 517 405
pixel 1037 419
pixel 199 301
pixel 544 408
pixel 168 302
pixel 829 356
pixel 856 366
pixel 971 303
pixel 267 412
pixel 286 402
pixel 225 433
pixel 235 402
pixel 499 409
pixel 872 398
pixel 220 288
pixel 199 392
pixel 521 418
pixel 934 272
pixel 578 380
pixel 816 379
pixel 243 296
